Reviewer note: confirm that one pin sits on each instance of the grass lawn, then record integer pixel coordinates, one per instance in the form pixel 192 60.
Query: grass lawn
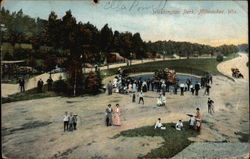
pixel 197 66
pixel 28 95
pixel 174 141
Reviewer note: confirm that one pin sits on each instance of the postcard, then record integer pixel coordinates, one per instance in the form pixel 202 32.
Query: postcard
pixel 124 79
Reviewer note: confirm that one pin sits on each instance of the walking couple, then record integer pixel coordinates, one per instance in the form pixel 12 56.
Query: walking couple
pixel 110 112
pixel 70 121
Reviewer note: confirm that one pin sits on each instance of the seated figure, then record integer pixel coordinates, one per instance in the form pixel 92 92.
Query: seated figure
pixel 159 102
pixel 158 125
pixel 179 125
pixel 191 122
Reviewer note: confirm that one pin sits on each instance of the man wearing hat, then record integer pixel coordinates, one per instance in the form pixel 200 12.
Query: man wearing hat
pixel 74 121
pixel 109 112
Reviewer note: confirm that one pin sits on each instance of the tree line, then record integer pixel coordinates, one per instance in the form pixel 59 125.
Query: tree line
pixel 85 41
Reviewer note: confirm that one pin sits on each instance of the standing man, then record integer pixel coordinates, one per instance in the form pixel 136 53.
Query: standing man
pixel 109 112
pixel 66 121
pixel 21 84
pixel 71 121
pixel 40 85
pixel 49 82
pixel 74 121
pixel 133 97
pixel 141 95
pixel 192 89
pixel 210 106
pixel 188 84
pixel 163 87
pixel 207 89
pixel 211 79
pixel 182 89
pixel 175 88
pixel 197 88
pixel 110 88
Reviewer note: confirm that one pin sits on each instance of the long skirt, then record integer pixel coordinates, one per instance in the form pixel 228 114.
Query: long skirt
pixel 117 120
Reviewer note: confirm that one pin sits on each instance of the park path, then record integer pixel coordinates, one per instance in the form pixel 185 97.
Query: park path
pixel 238 62
pixel 227 149
pixel 9 89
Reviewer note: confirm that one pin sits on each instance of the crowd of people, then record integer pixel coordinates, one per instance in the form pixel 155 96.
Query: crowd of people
pixel 128 85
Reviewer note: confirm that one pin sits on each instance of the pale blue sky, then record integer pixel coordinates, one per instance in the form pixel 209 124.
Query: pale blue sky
pixel 138 16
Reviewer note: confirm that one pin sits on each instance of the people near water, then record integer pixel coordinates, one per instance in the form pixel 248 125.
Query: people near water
pixel 40 85
pixel 210 104
pixel 141 98
pixel 49 82
pixel 144 86
pixel 188 82
pixel 192 89
pixel 66 121
pixel 158 124
pixel 110 88
pixel 134 87
pixel 197 122
pixel 175 88
pixel 130 87
pixel 133 97
pixel 161 100
pixel 197 88
pixel 179 125
pixel 117 113
pixel 207 88
pixel 182 89
pixel 109 112
pixel 22 84
pixel 163 86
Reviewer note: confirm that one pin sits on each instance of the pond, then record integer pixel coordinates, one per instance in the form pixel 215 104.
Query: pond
pixel 182 78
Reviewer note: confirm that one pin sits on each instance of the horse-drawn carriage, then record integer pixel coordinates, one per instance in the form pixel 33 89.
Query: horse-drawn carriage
pixel 236 73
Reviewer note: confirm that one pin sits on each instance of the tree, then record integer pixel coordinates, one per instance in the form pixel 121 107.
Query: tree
pixel 92 83
pixel 219 58
pixel 138 46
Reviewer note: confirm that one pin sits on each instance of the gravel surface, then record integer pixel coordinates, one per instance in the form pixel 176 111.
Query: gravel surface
pixel 215 150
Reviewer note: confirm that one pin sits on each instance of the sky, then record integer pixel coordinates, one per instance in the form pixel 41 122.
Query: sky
pixel 208 22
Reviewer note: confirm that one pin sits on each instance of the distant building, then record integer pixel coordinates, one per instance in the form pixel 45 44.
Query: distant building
pixel 115 57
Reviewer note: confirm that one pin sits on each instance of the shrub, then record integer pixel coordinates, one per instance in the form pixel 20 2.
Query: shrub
pixel 61 87
pixel 93 83
pixel 219 58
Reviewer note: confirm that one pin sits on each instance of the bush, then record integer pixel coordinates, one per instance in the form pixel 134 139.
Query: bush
pixel 92 83
pixel 219 58
pixel 62 87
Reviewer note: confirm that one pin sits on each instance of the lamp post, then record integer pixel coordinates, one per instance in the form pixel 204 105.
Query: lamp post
pixel 164 54
pixel 131 56
pixel 2 29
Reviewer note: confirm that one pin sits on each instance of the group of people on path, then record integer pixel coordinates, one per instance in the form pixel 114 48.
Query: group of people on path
pixel 69 121
pixel 40 84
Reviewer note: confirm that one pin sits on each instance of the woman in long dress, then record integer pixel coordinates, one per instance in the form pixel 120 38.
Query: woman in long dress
pixel 117 120
pixel 197 122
